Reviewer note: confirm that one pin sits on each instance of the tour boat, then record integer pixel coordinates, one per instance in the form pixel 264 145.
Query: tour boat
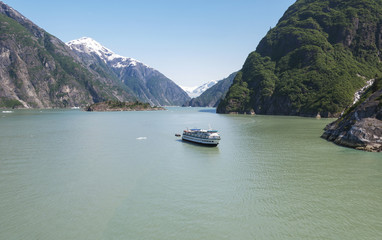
pixel 205 137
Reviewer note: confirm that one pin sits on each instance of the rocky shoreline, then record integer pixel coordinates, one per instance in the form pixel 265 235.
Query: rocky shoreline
pixel 361 126
pixel 116 106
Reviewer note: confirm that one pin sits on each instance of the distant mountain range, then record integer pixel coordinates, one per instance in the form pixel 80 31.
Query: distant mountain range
pixel 38 70
pixel 146 83
pixel 194 92
pixel 211 96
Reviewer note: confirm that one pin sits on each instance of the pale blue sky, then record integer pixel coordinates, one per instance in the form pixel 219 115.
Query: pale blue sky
pixel 191 42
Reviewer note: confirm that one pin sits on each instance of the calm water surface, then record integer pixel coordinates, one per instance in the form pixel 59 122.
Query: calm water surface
pixel 124 175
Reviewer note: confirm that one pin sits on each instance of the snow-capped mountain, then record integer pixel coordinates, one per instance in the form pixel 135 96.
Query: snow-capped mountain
pixel 88 45
pixel 146 83
pixel 194 92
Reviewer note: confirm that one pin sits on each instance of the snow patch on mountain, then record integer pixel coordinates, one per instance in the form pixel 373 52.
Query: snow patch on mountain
pixel 188 89
pixel 89 45
pixel 194 92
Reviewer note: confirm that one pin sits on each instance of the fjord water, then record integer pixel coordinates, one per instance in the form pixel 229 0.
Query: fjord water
pixel 69 174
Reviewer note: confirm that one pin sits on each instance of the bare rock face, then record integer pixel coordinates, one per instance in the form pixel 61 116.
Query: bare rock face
pixel 360 128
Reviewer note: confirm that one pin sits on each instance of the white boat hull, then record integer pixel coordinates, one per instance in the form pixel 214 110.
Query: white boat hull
pixel 204 141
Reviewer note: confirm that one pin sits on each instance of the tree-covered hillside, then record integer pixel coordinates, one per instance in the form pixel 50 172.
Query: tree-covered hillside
pixel 318 55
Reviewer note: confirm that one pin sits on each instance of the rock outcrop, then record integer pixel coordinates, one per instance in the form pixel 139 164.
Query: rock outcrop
pixel 361 126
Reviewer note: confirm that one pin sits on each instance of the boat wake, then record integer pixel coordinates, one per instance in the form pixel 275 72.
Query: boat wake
pixel 141 138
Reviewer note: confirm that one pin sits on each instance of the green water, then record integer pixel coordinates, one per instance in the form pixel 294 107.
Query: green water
pixel 124 175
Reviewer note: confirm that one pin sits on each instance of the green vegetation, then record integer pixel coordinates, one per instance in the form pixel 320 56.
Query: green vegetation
pixel 118 104
pixel 11 28
pixel 9 103
pixel 313 61
pixel 112 105
pixel 238 95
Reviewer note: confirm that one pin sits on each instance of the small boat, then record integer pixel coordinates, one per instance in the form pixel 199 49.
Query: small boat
pixel 201 136
pixel 177 135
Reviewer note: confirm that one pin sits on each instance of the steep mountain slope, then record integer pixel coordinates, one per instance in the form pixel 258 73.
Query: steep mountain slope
pixel 147 84
pixel 361 126
pixel 312 62
pixel 38 70
pixel 212 96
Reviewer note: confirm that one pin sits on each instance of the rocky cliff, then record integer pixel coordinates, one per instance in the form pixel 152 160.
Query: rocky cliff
pixel 318 55
pixel 146 83
pixel 37 70
pixel 361 126
pixel 213 95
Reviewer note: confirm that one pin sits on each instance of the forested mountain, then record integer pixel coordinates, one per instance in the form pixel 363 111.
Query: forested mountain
pixel 318 55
